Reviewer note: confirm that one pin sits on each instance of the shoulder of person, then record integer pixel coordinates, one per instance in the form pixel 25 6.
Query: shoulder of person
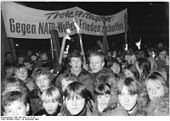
pixel 116 112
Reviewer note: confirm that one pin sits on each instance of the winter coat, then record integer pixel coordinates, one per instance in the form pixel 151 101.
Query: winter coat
pixel 110 110
pixel 116 112
pixel 43 112
pixel 104 71
pixel 158 107
pixel 35 101
pixel 87 111
pixel 161 65
pixel 85 78
pixel 111 80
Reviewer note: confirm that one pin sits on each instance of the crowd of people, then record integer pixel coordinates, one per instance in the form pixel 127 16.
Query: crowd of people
pixel 121 83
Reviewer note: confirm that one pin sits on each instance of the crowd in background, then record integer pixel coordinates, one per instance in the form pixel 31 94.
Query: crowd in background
pixel 117 83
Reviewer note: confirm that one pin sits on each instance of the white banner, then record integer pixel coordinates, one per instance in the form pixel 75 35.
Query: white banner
pixel 24 22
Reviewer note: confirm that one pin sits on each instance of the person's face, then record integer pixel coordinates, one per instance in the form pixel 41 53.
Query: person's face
pixel 22 74
pixel 131 59
pixel 29 52
pixel 16 108
pixel 127 100
pixel 64 84
pixel 96 64
pixel 9 71
pixel 128 73
pixel 154 89
pixel 20 60
pixel 162 55
pixel 75 104
pixel 114 53
pixel 28 65
pixel 44 56
pixel 115 68
pixel 103 100
pixel 75 64
pixel 50 105
pixel 9 56
pixel 43 82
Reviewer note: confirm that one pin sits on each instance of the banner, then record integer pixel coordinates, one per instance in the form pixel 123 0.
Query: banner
pixel 24 22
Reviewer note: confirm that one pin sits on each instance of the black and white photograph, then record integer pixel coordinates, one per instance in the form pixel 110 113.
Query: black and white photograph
pixel 84 58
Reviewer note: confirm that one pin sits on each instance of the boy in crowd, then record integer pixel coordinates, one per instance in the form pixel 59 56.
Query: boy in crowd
pixel 51 100
pixel 64 80
pixel 15 104
pixel 42 78
pixel 21 73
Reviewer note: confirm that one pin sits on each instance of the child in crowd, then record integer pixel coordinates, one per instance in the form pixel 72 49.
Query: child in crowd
pixel 15 104
pixel 162 60
pixel 64 80
pixel 21 72
pixel 13 84
pixel 152 59
pixel 51 101
pixel 130 57
pixel 131 71
pixel 42 78
pixel 131 96
pixel 9 71
pixel 116 68
pixel 143 67
pixel 105 102
pixel 77 101
pixel 29 66
pixel 158 93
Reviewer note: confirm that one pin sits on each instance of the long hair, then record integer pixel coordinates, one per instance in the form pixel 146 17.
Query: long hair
pixel 102 88
pixel 80 89
pixel 133 69
pixel 145 66
pixel 133 87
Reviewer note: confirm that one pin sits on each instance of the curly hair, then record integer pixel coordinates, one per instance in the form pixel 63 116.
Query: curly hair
pixel 42 71
pixel 66 76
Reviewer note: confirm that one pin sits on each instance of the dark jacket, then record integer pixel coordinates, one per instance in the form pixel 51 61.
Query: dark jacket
pixel 35 101
pixel 85 78
pixel 111 80
pixel 43 112
pixel 116 112
pixel 87 111
pixel 109 109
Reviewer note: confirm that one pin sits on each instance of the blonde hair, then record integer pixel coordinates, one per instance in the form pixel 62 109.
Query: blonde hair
pixel 158 76
pixel 52 93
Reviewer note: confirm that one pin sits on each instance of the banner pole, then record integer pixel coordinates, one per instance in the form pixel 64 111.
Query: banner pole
pixel 62 50
pixel 126 29
pixel 52 48
pixel 82 49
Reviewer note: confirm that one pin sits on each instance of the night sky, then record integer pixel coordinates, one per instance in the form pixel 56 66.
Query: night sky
pixel 146 20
